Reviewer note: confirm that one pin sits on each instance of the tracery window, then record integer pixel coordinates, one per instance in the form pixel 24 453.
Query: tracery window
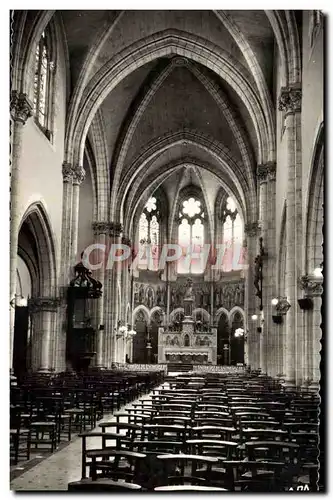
pixel 43 82
pixel 232 236
pixel 149 230
pixel 191 237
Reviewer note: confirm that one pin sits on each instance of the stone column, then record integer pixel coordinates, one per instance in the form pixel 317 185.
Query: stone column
pixel 290 103
pixel 100 231
pixel 313 289
pixel 267 176
pixel 44 313
pixel 78 177
pixel 110 297
pixel 125 282
pixel 262 179
pixel 20 110
pixel 67 195
pixel 251 232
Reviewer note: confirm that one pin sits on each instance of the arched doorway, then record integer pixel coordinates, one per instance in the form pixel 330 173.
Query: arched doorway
pixel 35 304
pixel 22 330
pixel 223 340
pixel 237 342
pixel 139 340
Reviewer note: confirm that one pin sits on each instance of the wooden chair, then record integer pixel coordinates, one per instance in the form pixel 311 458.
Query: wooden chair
pixel 255 476
pixel 115 464
pixel 165 432
pixel 213 432
pixel 263 434
pixel 20 435
pixel 181 469
pixel 119 441
pixel 102 485
pixel 280 451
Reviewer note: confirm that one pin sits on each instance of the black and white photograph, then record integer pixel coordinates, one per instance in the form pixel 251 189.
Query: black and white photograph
pixel 166 251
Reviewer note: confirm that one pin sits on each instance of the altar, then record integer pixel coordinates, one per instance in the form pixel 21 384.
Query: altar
pixel 190 345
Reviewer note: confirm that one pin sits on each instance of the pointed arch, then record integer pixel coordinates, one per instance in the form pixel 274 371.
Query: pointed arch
pixel 144 310
pixel 38 222
pixel 234 310
pixel 219 313
pixel 315 209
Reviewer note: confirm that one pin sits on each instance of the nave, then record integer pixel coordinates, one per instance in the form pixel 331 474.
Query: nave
pixel 231 431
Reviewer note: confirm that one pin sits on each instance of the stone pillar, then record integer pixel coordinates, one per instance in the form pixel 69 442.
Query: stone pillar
pixel 251 232
pixel 290 103
pixel 313 289
pixel 110 296
pixel 44 313
pixel 67 195
pixel 20 110
pixel 125 282
pixel 78 177
pixel 262 178
pixel 100 231
pixel 267 177
pixel 272 328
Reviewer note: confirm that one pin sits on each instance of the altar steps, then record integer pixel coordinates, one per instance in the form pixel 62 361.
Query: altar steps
pixel 179 367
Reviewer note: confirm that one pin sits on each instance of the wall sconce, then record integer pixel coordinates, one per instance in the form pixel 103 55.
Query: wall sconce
pixel 19 301
pixel 254 317
pixel 306 304
pixel 282 305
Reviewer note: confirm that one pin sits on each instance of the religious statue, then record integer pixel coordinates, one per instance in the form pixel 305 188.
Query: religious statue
pixel 189 289
pixel 136 292
pixel 217 296
pixel 258 274
pixel 158 296
pixel 141 294
pixel 173 297
pixel 150 298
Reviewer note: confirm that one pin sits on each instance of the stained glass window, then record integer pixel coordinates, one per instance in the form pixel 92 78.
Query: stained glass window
pixel 232 236
pixel 149 230
pixel 191 237
pixel 42 81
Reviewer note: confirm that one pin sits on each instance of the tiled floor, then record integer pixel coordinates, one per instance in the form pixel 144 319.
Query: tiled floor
pixel 55 472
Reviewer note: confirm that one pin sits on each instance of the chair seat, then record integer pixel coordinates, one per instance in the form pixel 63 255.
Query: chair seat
pixel 19 431
pixel 43 424
pixel 104 483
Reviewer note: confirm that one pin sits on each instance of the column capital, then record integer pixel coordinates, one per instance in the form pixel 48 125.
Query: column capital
pixel 312 285
pixel 125 240
pixel 252 228
pixel 78 175
pixel 290 99
pixel 266 171
pixel 38 304
pixel 100 227
pixel 67 172
pixel 20 107
pixel 115 228
pixel 107 227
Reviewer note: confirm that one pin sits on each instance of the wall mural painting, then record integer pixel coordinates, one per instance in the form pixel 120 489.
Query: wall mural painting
pixel 227 295
pixel 149 295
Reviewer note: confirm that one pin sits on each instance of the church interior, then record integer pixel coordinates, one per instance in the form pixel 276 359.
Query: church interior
pixel 166 250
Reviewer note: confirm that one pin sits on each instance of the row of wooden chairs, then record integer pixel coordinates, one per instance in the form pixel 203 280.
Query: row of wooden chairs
pixel 236 425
